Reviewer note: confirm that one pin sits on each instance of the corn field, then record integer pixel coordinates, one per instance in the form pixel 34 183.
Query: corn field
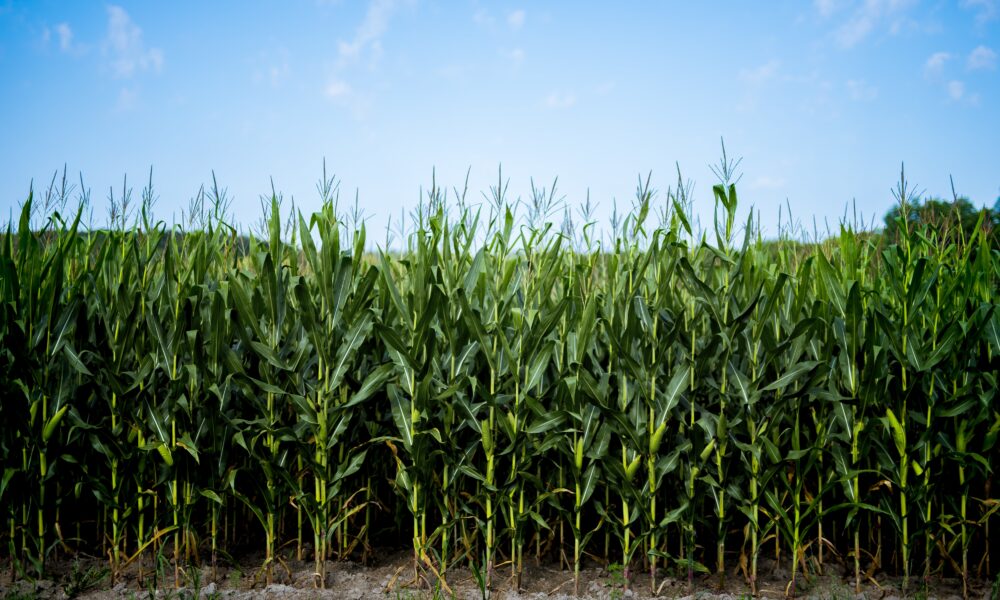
pixel 499 390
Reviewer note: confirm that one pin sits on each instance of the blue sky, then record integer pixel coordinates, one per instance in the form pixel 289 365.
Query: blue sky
pixel 823 100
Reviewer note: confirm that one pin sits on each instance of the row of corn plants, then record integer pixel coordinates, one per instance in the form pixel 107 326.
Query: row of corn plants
pixel 500 390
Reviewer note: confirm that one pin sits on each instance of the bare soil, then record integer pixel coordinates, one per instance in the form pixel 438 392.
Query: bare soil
pixel 392 576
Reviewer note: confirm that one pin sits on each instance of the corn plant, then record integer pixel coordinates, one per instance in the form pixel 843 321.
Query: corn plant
pixel 494 385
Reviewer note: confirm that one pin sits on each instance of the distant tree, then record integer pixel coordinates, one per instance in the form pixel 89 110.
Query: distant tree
pixel 948 219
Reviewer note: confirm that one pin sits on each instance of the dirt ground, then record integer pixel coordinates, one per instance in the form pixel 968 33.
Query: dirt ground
pixel 392 577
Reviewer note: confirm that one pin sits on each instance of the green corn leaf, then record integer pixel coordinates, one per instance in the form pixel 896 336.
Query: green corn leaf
pixel 212 496
pixel 401 414
pixel 792 375
pixel 897 431
pixel 356 335
pixel 589 483
pixel 546 422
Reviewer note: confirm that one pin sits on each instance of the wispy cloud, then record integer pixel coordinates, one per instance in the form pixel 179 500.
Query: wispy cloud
pixel 483 17
pixel 560 100
pixel 826 8
pixel 65 35
pixel 761 74
pixel 337 89
pixel 936 70
pixel 870 16
pixel 765 182
pixel 986 10
pixel 861 91
pixel 125 48
pixel 516 55
pixel 364 47
pixel 758 82
pixel 516 18
pixel 934 65
pixel 981 58
pixel 126 99
pixel 956 90
pixel 358 102
pixel 273 67
pixel 368 35
pixel 943 77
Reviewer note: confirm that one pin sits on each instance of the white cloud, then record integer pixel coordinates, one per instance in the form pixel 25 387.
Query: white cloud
pixel 557 100
pixel 125 47
pixel 986 10
pixel 482 17
pixel 366 45
pixel 861 91
pixel 982 58
pixel 762 74
pixel 368 36
pixel 516 55
pixel 956 90
pixel 826 8
pixel 357 102
pixel 934 65
pixel 337 89
pixel 516 19
pixel 855 30
pixel 65 36
pixel 869 16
